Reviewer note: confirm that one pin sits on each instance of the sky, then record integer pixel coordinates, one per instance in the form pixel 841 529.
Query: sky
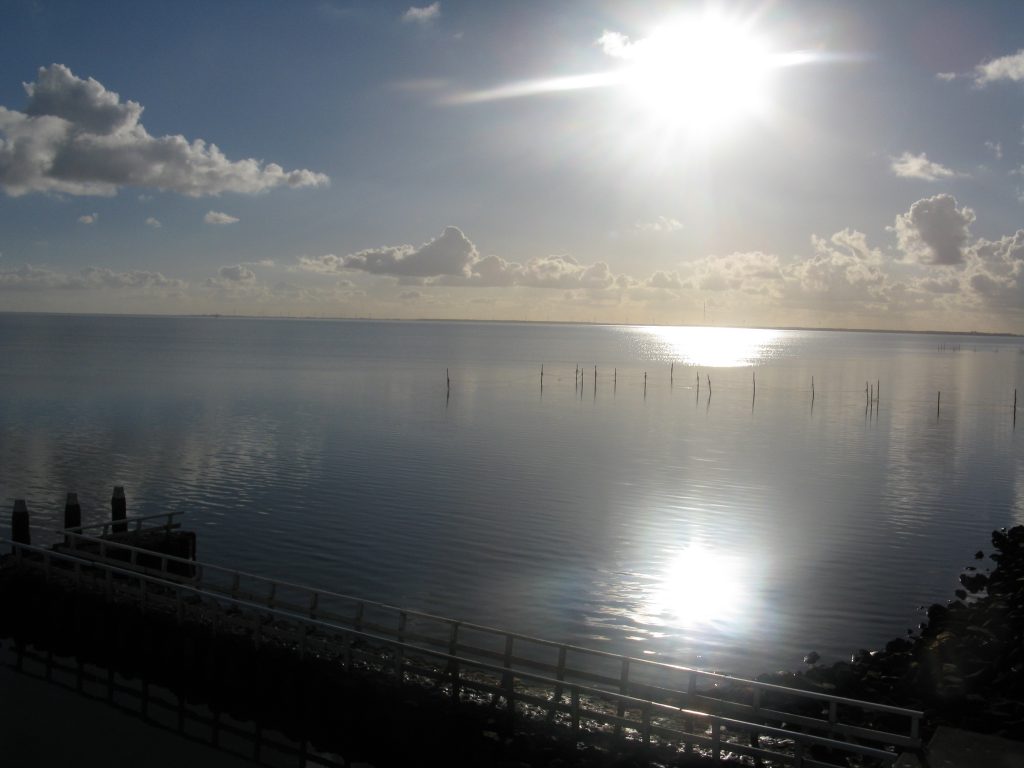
pixel 771 163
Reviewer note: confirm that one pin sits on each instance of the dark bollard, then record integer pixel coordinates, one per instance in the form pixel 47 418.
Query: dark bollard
pixel 72 517
pixel 19 523
pixel 118 509
pixel 73 513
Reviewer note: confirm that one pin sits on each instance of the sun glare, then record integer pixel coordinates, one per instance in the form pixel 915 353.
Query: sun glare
pixel 713 347
pixel 700 74
pixel 699 586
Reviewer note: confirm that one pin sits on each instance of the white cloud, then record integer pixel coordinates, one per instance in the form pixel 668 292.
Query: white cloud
pixel 31 278
pixel 422 15
pixel 934 230
pixel 995 271
pixel 216 217
pixel 910 166
pixel 89 218
pixel 237 274
pixel 947 76
pixel 616 45
pixel 449 254
pixel 453 259
pixel 996 148
pixel 660 224
pixel 78 138
pixel 153 222
pixel 1004 68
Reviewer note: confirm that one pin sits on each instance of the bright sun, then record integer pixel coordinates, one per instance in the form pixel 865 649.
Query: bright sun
pixel 700 74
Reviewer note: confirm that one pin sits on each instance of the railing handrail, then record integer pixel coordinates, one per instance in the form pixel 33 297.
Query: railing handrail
pixel 201 568
pixel 624 698
pixel 137 519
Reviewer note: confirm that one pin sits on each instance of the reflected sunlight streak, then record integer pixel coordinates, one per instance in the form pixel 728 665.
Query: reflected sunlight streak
pixel 715 347
pixel 699 587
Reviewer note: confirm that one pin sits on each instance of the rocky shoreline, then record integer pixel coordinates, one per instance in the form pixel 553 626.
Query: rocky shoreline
pixel 964 666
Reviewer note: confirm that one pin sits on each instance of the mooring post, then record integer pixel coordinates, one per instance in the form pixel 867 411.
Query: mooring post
pixel 19 523
pixel 72 515
pixel 938 404
pixel 118 510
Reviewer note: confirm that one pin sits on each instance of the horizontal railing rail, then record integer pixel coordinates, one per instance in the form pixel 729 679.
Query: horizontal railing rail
pixel 363 621
pixel 126 522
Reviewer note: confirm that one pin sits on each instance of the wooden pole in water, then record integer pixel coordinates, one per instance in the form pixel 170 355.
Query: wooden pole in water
pixel 1015 406
pixel 118 510
pixel 672 374
pixel 938 404
pixel 72 512
pixel 812 388
pixel 709 385
pixel 19 523
pixel 645 383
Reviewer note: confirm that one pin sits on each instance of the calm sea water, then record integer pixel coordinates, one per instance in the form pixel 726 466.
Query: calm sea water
pixel 708 526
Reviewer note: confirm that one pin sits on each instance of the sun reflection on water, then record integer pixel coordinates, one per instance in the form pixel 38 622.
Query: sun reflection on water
pixel 714 347
pixel 698 587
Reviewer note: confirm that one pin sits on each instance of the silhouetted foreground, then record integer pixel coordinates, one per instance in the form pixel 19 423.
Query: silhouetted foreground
pixel 965 665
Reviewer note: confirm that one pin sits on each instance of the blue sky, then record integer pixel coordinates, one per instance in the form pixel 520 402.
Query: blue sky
pixel 780 163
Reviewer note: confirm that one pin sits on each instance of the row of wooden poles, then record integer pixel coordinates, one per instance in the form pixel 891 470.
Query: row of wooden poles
pixel 20 530
pixel 872 392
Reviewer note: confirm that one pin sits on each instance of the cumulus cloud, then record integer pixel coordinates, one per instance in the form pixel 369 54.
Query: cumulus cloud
pixel 911 166
pixel 237 274
pixel 934 230
pixel 1004 68
pixel 995 271
pixel 449 254
pixel 153 222
pixel 453 259
pixel 996 148
pixel 89 218
pixel 422 15
pixel 78 138
pixel 216 217
pixel 617 45
pixel 32 278
pixel 666 281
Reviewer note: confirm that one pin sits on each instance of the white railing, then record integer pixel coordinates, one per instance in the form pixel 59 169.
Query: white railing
pixel 567 683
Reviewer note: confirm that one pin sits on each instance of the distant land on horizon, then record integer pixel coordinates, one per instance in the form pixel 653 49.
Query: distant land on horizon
pixel 932 332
